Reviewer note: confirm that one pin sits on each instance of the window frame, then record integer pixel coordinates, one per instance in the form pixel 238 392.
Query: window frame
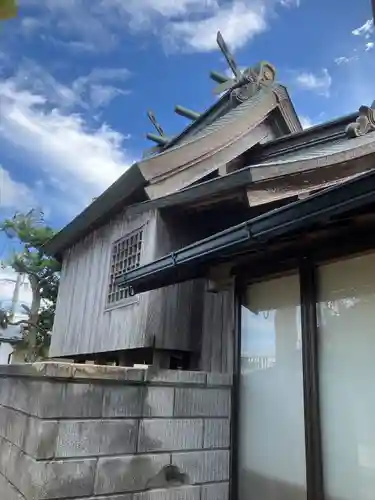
pixel 130 299
pixel 278 271
pixel 306 261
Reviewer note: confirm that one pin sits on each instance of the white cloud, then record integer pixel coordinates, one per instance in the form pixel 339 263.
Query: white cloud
pixel 344 60
pixel 105 74
pixel 185 24
pixel 102 95
pixel 290 3
pixel 30 25
pixel 165 8
pixel 34 79
pixel 76 46
pixel 13 194
pixel 319 83
pixel 365 30
pixel 95 89
pixel 100 23
pixel 369 46
pixel 238 24
pixel 306 122
pixel 75 161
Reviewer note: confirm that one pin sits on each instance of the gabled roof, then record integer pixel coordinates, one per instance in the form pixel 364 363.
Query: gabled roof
pixel 129 188
pixel 207 148
pixel 226 105
pixel 215 145
pixel 291 162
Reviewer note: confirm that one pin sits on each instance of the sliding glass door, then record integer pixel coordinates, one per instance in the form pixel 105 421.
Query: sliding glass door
pixel 346 307
pixel 271 419
pixel 334 349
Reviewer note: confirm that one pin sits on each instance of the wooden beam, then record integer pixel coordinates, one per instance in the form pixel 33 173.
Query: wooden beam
pixel 302 183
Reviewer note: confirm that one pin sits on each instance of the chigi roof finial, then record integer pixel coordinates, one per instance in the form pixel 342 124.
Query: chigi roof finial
pixel 263 73
pixel 160 139
pixel 364 124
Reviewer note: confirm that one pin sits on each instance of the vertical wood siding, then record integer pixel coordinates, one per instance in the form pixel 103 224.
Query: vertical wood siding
pixel 179 317
pixel 218 332
pixel 82 323
pixel 173 310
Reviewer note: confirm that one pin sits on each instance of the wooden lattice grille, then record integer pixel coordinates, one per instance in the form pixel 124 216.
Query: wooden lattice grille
pixel 126 256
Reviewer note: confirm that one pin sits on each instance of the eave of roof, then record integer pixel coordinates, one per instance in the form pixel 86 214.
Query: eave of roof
pixel 255 173
pixel 121 191
pixel 318 134
pixel 190 262
pixel 108 203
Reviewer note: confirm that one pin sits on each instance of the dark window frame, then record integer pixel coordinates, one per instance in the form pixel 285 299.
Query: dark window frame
pixel 306 264
pixel 126 254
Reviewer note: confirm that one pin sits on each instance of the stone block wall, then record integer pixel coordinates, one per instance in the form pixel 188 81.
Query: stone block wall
pixel 88 432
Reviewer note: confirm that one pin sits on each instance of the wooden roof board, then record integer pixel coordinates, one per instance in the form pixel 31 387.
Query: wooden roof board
pixel 318 134
pixel 339 151
pixel 186 163
pixel 221 106
pixel 225 106
pixel 210 162
pixel 283 170
pixel 218 124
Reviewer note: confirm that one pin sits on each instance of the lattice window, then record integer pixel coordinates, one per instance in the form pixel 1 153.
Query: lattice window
pixel 126 255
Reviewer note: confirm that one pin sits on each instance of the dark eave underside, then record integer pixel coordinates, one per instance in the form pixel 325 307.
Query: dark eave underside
pixel 189 262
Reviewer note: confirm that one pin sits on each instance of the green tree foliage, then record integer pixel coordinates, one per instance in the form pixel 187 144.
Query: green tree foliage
pixel 30 233
pixel 8 9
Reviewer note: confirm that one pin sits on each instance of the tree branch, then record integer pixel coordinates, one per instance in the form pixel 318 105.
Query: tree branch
pixel 27 322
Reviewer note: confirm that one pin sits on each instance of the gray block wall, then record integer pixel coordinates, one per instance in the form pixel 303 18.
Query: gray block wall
pixel 88 432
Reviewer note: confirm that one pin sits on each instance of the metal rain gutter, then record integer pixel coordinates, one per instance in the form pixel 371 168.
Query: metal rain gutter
pixel 250 234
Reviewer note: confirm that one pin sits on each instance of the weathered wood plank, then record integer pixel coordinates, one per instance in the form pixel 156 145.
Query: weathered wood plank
pixel 218 332
pixel 171 310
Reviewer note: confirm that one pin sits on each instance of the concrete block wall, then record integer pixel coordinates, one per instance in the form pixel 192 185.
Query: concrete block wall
pixel 88 432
